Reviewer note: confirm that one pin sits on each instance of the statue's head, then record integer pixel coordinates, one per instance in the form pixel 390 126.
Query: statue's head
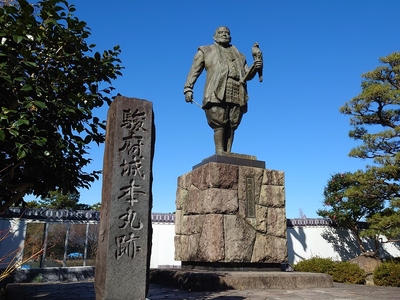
pixel 222 36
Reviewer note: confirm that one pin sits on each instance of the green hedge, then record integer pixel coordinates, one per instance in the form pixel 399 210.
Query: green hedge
pixel 340 271
pixel 387 274
pixel 315 265
pixel 348 273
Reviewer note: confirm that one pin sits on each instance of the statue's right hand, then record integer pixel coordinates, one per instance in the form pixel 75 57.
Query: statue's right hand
pixel 189 97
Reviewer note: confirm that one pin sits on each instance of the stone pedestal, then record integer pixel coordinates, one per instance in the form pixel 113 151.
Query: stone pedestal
pixel 231 214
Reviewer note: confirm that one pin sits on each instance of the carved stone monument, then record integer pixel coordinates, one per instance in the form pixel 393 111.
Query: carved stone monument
pixel 123 256
pixel 231 215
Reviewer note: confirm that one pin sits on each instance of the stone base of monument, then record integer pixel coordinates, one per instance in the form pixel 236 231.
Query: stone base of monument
pixel 195 280
pixel 230 229
pixel 233 266
pixel 231 215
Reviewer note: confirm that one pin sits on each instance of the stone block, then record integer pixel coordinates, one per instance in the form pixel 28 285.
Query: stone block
pixel 211 243
pixel 186 247
pixel 278 249
pixel 273 177
pixel 197 178
pixel 239 239
pixel 276 222
pixel 222 176
pixel 192 224
pixel 181 195
pixel 261 219
pixel 194 202
pixel 269 249
pixel 185 181
pixel 272 196
pixel 219 201
pixel 261 253
pixel 178 221
pixel 179 243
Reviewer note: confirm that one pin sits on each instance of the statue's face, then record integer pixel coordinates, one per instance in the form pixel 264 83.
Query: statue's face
pixel 222 36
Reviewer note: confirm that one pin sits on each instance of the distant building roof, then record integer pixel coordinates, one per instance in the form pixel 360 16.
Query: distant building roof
pixel 76 216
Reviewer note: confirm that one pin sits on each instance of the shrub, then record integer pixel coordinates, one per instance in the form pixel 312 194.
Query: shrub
pixel 315 264
pixel 340 271
pixel 395 260
pixel 387 274
pixel 348 273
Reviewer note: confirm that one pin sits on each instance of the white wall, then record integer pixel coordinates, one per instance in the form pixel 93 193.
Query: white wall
pixel 12 236
pixel 303 242
pixel 330 242
pixel 162 252
pixel 307 242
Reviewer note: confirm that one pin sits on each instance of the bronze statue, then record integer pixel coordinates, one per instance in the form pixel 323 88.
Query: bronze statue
pixel 225 92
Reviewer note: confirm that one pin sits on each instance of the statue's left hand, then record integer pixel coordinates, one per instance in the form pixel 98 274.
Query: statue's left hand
pixel 258 65
pixel 252 71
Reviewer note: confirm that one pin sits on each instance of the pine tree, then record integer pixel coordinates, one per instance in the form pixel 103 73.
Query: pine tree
pixel 350 198
pixel 375 117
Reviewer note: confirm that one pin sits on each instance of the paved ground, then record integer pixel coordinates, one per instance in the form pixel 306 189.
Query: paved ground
pixel 85 291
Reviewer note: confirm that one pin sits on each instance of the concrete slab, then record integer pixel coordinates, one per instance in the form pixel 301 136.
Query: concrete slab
pixel 85 290
pixel 70 274
pixel 195 280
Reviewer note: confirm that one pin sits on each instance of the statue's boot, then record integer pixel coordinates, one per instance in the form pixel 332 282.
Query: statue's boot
pixel 219 141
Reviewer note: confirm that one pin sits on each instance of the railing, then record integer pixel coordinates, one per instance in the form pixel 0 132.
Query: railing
pixel 74 216
pixel 163 218
pixel 318 222
pixel 310 222
pixel 52 215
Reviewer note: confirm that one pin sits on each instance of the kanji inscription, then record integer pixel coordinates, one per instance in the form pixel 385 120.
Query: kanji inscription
pixel 132 124
pixel 250 201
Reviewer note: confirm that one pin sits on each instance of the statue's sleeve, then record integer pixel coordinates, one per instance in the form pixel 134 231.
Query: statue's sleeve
pixel 195 71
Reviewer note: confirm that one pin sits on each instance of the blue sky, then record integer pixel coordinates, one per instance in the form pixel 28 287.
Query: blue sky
pixel 314 54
